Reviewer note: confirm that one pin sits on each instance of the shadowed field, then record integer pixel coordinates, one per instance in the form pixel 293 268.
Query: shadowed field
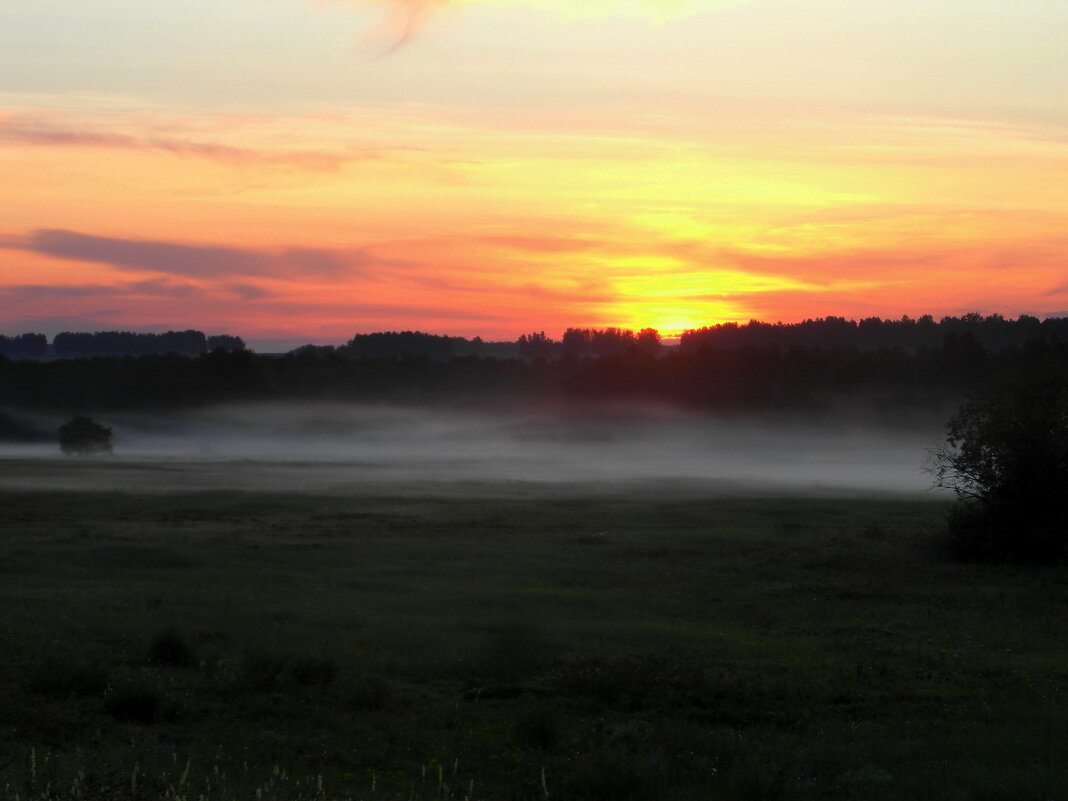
pixel 230 646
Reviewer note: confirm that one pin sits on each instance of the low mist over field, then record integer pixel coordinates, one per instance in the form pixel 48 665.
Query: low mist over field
pixel 351 448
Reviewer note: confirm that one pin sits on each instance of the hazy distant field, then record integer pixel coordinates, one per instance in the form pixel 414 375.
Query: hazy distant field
pixel 597 647
pixel 335 448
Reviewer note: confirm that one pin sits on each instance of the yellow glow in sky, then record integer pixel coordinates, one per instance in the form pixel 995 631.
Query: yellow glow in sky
pixel 610 163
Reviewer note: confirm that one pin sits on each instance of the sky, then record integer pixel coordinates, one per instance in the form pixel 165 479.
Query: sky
pixel 298 171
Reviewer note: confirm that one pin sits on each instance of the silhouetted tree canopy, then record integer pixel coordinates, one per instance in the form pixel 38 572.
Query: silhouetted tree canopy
pixel 992 332
pixel 24 346
pixel 127 343
pixel 226 342
pixel 597 341
pixel 83 435
pixel 398 345
pixel 536 345
pixel 74 344
pixel 1006 458
pixel 968 332
pixel 649 339
pixel 726 372
pixel 744 379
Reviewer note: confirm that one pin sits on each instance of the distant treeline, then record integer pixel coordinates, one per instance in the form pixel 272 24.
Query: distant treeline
pixel 24 346
pixel 589 342
pixel 890 368
pixel 403 344
pixel 115 343
pixel 887 381
pixel 409 344
pixel 993 332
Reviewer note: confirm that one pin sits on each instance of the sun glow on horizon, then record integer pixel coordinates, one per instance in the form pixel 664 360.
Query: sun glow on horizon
pixel 513 170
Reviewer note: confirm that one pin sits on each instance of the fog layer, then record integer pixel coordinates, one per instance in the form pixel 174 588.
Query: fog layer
pixel 372 449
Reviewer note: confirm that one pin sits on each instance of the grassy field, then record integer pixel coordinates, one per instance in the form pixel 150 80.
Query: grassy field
pixel 239 646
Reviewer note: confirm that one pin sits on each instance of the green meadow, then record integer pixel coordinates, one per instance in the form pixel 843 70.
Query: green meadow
pixel 604 648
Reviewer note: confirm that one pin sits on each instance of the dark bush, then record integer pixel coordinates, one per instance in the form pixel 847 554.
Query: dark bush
pixel 1006 459
pixel 83 436
pixel 170 648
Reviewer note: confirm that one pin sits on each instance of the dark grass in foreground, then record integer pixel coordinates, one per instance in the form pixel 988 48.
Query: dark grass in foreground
pixel 229 646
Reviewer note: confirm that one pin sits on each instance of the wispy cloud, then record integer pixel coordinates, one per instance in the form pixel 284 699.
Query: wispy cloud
pixel 159 288
pixel 249 291
pixel 36 131
pixel 357 312
pixel 539 244
pixel 198 261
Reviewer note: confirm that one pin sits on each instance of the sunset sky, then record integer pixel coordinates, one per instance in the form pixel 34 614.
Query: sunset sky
pixel 301 170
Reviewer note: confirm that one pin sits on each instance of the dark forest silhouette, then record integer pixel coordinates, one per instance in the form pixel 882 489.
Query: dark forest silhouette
pixel 115 343
pixel 889 367
pixel 993 332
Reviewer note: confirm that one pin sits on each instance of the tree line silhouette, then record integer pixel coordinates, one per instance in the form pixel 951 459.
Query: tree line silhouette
pixel 69 344
pixel 993 332
pixel 24 346
pixel 712 370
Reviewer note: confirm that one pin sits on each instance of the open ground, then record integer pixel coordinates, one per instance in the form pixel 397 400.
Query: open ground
pixel 232 645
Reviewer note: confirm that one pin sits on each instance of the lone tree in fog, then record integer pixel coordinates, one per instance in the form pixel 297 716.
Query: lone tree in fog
pixel 1006 458
pixel 83 435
